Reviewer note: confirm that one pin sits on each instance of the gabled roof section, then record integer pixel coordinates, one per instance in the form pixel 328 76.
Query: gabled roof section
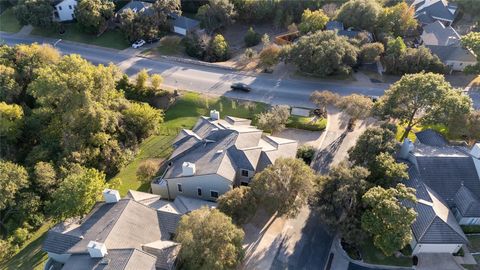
pixel 467 203
pixel 435 9
pixel 431 137
pixel 59 243
pixel 435 223
pixel 452 53
pixel 437 34
pixel 116 259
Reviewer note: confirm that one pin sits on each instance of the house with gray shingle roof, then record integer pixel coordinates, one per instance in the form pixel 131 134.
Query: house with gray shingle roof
pixel 429 11
pixel 136 232
pixel 447 183
pixel 217 155
pixel 445 43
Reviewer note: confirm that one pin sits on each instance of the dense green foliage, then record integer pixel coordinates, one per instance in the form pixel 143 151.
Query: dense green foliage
pixel 205 48
pixel 396 21
pixel 306 153
pixel 401 60
pixel 324 53
pixel 252 38
pixel 63 126
pixel 239 203
pixel 471 41
pixel 35 12
pixel 211 234
pixel 284 187
pixel 371 52
pixel 216 14
pixel 361 14
pixel 312 21
pixel 423 98
pixel 93 15
pixel 387 218
pixel 274 120
pixel 148 24
pixel 337 198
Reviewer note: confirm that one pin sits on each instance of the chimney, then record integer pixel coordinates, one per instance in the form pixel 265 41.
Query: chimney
pixel 407 147
pixel 111 195
pixel 475 151
pixel 188 169
pixel 96 249
pixel 214 115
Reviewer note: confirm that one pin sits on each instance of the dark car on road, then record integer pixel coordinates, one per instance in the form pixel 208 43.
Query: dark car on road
pixel 241 87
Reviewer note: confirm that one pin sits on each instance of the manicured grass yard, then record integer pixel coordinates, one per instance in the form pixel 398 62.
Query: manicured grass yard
pixel 30 255
pixel 183 114
pixel 306 123
pixel 371 254
pixel 111 38
pixel 474 243
pixel 8 22
pixel 440 128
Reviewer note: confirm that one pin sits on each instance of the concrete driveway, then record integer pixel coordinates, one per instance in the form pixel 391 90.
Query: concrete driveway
pixel 437 261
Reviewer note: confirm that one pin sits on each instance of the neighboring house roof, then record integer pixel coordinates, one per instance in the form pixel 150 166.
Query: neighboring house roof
pixel 467 203
pixel 121 226
pixel 334 25
pixel 184 22
pixel 224 146
pixel 452 53
pixel 437 34
pixel 427 11
pixel 431 138
pixel 435 223
pixel 136 7
pixel 117 259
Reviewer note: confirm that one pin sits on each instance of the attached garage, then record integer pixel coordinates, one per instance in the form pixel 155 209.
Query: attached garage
pixel 436 248
pixel 183 25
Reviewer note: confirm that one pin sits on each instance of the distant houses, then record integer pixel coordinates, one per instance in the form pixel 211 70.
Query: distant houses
pixel 429 11
pixel 217 155
pixel 64 10
pixel 447 183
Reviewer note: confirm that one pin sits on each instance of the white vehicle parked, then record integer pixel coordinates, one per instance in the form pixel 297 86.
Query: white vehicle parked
pixel 138 44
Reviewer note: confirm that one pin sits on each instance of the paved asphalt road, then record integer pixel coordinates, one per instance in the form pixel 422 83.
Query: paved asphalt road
pixel 217 81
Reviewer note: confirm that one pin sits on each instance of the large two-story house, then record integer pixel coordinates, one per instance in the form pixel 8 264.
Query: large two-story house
pixel 217 155
pixel 447 183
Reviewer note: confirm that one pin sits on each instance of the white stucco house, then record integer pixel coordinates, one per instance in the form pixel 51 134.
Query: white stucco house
pixel 64 10
pixel 217 155
pixel 447 183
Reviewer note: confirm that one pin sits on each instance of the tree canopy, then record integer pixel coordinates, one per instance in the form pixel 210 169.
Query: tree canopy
pixel 387 218
pixel 38 13
pixel 239 203
pixel 422 98
pixel 324 53
pixel 396 20
pixel 211 234
pixel 93 15
pixel 337 199
pixel 216 14
pixel 273 120
pixel 361 14
pixel 471 41
pixel 312 21
pixel 284 187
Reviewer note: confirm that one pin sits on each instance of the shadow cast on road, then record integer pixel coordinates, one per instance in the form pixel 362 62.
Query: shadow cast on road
pixel 310 251
pixel 324 158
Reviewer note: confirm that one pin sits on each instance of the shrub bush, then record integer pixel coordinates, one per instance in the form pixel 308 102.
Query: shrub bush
pixel 252 38
pixel 306 153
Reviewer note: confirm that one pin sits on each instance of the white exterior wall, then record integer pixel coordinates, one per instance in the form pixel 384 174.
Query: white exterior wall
pixel 179 30
pixel 65 10
pixel 190 185
pixel 436 248
pixel 457 65
pixel 469 221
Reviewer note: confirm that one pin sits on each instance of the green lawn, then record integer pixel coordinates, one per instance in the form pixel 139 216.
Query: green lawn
pixel 371 254
pixel 439 128
pixel 8 22
pixel 30 255
pixel 111 38
pixel 471 228
pixel 306 123
pixel 474 243
pixel 183 114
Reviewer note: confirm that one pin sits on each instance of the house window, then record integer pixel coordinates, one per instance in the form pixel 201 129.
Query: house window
pixel 244 183
pixel 245 173
pixel 199 192
pixel 59 7
pixel 179 187
pixel 213 194
pixel 69 6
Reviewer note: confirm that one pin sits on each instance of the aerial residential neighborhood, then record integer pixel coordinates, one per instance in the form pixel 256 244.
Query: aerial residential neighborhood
pixel 238 134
